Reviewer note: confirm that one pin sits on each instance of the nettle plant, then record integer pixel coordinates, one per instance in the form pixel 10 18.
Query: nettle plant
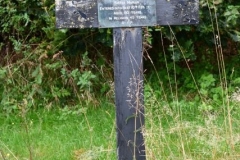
pixel 47 66
pixel 47 83
pixel 201 60
pixel 34 61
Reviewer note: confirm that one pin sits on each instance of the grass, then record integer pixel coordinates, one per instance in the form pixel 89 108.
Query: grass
pixel 57 136
pixel 180 129
pixel 61 134
pixel 192 136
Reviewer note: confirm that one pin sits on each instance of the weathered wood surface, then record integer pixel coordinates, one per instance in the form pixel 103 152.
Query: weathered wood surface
pixel 177 12
pixel 128 78
pixel 76 14
pixel 85 13
pixel 128 67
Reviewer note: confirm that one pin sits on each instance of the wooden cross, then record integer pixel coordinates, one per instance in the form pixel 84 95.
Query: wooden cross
pixel 126 17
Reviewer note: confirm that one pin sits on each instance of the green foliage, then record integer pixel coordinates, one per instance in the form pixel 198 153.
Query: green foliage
pixel 45 66
pixel 46 84
pixel 200 60
pixel 72 111
pixel 75 135
pixel 48 66
pixel 206 81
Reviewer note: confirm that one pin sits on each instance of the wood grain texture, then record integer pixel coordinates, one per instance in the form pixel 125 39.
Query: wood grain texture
pixel 84 13
pixel 128 78
pixel 177 12
pixel 128 67
pixel 76 14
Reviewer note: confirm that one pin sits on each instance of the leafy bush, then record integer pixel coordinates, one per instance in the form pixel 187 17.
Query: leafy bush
pixel 47 66
pixel 44 66
pixel 200 59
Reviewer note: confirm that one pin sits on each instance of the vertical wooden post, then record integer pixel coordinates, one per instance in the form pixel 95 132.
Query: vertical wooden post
pixel 128 66
pixel 128 77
